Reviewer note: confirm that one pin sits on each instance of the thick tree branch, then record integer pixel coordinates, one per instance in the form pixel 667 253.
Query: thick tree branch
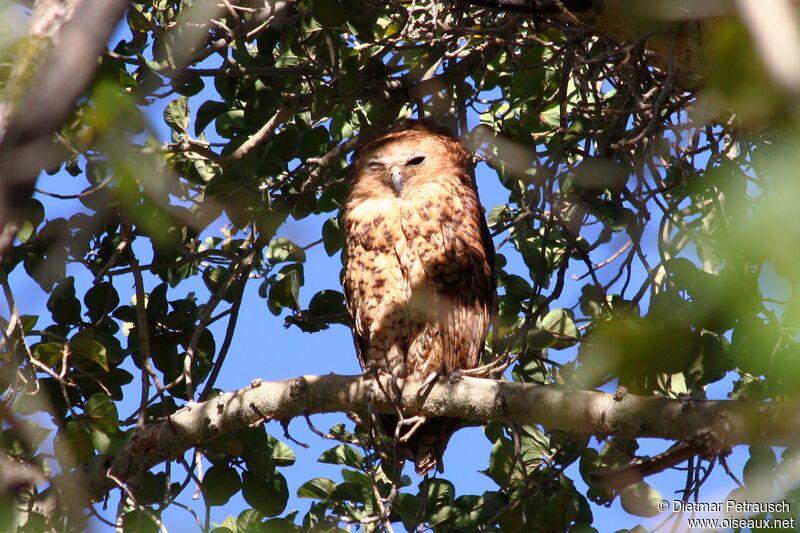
pixel 579 411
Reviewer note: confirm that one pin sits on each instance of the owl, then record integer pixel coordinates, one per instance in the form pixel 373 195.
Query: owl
pixel 419 268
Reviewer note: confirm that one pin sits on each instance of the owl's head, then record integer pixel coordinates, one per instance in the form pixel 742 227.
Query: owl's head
pixel 414 151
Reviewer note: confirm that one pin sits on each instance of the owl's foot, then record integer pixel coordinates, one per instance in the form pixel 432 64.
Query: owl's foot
pixel 427 385
pixel 456 375
pixel 375 376
pixel 392 393
pixel 395 383
pixel 414 421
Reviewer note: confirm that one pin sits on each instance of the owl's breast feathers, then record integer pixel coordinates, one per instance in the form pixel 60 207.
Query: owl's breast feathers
pixel 419 277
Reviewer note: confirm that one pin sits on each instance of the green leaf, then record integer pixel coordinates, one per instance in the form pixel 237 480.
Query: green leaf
pixel 408 506
pixel 327 302
pixel 539 339
pixel 516 287
pixel 444 516
pixel 501 461
pixel 220 483
pixel 188 85
pixel 266 496
pixel 108 443
pixel 590 463
pixel 286 144
pixel 152 489
pixel 551 115
pixel 752 342
pixel 230 122
pixel 326 307
pixel 259 461
pixel 478 509
pixel 49 353
pixel 176 114
pixel 592 300
pixel 282 454
pixel 641 500
pixel 137 521
pixel 343 455
pixel 332 236
pixel 437 493
pixel 351 492
pixel 314 143
pixel 157 303
pixel 102 413
pixel 63 305
pixel 25 231
pixel 249 521
pixel 318 488
pixel 100 300
pixel 72 446
pixel 215 278
pixel 759 469
pixel 84 345
pixel 285 292
pixel 281 249
pixel 529 369
pixel 34 212
pixel 28 322
pixel 560 323
pixel 499 216
pixel 279 525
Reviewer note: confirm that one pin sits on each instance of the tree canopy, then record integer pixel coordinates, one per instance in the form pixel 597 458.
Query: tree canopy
pixel 153 153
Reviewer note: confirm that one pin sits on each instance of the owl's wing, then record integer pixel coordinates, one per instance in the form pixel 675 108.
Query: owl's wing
pixel 353 297
pixel 445 226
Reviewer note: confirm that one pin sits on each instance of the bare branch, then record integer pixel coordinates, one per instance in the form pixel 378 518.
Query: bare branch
pixel 579 411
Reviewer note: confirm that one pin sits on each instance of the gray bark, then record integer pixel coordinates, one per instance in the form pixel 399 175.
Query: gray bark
pixel 724 422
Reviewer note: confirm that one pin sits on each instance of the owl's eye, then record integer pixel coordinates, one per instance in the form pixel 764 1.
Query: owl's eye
pixel 416 160
pixel 375 165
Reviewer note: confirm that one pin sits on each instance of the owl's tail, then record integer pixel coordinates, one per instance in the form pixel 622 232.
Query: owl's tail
pixel 427 444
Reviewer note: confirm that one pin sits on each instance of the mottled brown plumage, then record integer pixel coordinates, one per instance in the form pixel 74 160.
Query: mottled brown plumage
pixel 419 265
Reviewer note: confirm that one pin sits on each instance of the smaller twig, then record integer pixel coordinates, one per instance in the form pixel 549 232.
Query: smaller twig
pixel 131 498
pixel 115 255
pixel 88 192
pixel 728 471
pixel 198 461
pixel 608 261
pixel 285 426
pixel 261 136
pixel 326 161
pixel 243 266
pixel 142 329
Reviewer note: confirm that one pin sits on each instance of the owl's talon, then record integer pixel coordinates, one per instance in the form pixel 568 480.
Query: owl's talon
pixel 398 393
pixel 456 375
pixel 415 422
pixel 427 385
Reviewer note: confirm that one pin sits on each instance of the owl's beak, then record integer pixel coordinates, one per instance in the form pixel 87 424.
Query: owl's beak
pixel 397 179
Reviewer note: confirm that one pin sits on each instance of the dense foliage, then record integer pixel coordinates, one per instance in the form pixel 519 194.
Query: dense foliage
pixel 646 242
